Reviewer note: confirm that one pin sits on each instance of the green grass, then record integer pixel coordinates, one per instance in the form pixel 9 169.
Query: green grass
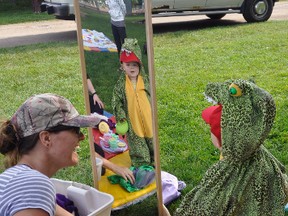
pixel 185 61
pixel 22 15
pixel 40 68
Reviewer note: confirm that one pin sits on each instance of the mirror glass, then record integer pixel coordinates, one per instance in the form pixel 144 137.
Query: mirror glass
pixel 100 62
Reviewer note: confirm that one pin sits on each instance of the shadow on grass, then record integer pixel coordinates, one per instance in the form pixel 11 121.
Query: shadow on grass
pixel 146 207
pixel 193 25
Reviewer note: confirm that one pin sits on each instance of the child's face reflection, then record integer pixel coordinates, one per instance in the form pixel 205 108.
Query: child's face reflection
pixel 131 69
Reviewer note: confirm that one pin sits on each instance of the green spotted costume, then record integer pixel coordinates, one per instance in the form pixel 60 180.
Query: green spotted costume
pixel 140 148
pixel 249 181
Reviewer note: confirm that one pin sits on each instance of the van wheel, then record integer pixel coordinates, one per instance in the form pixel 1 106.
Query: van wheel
pixel 215 16
pixel 257 10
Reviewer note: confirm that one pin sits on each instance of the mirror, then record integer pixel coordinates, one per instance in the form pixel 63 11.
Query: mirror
pixel 100 63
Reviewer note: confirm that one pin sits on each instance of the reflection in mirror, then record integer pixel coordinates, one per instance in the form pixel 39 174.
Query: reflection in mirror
pixel 99 27
pixel 101 56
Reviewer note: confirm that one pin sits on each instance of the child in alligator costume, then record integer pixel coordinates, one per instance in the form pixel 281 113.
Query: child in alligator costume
pixel 131 103
pixel 249 180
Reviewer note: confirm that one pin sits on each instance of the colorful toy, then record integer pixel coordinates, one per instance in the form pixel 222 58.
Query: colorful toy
pixel 106 126
pixel 103 127
pixel 122 127
pixel 110 142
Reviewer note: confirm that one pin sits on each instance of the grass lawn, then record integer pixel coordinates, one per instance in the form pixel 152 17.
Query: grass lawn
pixel 185 61
pixel 19 15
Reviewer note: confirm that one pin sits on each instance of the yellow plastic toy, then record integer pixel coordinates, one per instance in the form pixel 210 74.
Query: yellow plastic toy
pixel 103 127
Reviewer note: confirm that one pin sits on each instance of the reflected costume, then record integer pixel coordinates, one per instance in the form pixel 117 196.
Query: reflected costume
pixel 249 180
pixel 133 104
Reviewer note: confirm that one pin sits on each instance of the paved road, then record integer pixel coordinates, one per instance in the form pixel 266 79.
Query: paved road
pixel 37 32
pixel 63 30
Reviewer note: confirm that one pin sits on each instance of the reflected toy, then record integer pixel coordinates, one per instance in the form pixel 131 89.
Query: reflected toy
pixel 122 128
pixel 111 143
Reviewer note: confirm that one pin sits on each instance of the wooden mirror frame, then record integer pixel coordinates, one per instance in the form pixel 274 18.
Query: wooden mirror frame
pixel 150 55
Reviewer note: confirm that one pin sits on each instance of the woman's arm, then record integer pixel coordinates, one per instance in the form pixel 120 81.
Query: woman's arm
pixel 92 91
pixel 62 212
pixel 40 212
pixel 32 212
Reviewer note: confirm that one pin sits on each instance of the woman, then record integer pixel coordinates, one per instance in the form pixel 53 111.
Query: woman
pixel 41 137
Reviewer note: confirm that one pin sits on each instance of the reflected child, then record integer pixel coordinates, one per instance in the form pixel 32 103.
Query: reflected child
pixel 131 104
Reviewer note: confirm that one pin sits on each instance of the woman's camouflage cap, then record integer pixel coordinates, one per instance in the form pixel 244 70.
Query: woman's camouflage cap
pixel 44 111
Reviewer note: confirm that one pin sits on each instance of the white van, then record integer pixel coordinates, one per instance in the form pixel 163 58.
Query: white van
pixel 62 9
pixel 252 10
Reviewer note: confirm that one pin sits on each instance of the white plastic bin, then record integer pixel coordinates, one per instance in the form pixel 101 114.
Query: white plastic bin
pixel 99 164
pixel 88 200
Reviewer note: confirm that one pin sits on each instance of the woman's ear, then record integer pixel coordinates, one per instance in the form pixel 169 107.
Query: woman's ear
pixel 45 138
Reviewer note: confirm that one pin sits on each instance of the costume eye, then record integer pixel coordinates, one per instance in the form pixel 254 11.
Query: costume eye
pixel 234 90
